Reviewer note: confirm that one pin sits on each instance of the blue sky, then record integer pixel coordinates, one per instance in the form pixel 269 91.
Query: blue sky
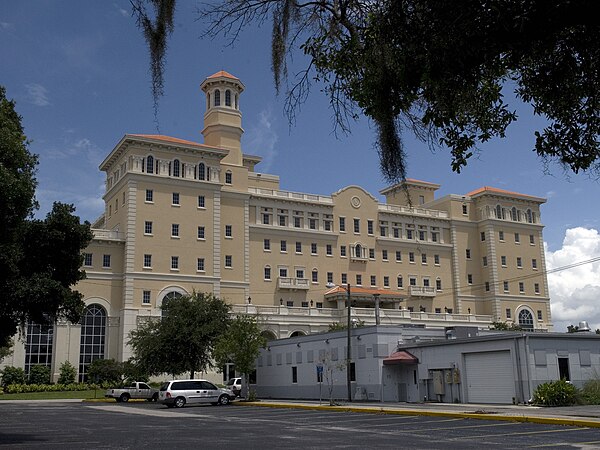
pixel 78 71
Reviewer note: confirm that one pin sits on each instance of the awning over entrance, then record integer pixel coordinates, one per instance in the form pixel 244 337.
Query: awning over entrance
pixel 400 357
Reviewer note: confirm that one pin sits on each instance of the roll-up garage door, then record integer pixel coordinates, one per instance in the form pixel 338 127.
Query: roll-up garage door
pixel 489 377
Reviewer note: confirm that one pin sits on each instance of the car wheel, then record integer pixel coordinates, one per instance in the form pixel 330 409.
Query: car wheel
pixel 124 397
pixel 223 400
pixel 179 402
pixel 155 397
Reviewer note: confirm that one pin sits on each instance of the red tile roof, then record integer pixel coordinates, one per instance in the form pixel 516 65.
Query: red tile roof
pixel 175 140
pixel 493 190
pixel 400 357
pixel 222 73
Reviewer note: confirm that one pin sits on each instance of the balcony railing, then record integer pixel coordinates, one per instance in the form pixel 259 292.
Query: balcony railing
pixel 293 283
pixel 422 291
pixel 108 234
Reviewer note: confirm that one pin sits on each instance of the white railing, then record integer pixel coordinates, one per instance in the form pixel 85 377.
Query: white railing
pixel 292 283
pixel 422 291
pixel 108 234
pixel 415 211
pixel 291 195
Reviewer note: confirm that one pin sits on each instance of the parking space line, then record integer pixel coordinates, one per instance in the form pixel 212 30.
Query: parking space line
pixel 524 433
pixel 570 444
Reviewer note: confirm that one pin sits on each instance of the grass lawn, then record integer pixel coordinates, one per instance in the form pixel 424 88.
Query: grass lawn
pixel 53 395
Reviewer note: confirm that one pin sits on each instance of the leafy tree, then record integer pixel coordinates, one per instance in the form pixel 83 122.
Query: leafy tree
pixel 241 345
pixel 183 340
pixel 105 371
pixel 39 374
pixel 132 372
pixel 6 351
pixel 505 326
pixel 575 329
pixel 340 326
pixel 12 375
pixel 437 69
pixel 67 373
pixel 40 260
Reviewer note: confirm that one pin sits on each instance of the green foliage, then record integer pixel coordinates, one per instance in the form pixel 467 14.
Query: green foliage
pixel 240 344
pixel 40 260
pixel 555 393
pixel 12 375
pixel 505 326
pixel 590 393
pixel 183 340
pixel 67 373
pixel 105 371
pixel 340 326
pixel 6 350
pixel 21 388
pixel 132 372
pixel 439 69
pixel 39 374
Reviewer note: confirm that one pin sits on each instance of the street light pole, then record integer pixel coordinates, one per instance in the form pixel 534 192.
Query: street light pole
pixel 348 346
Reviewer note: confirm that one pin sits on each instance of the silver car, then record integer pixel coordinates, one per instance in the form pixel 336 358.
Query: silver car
pixel 176 393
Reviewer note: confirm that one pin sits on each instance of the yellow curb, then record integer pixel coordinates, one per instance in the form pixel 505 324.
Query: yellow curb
pixel 418 412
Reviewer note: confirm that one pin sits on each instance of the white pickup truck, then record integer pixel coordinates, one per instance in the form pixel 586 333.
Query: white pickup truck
pixel 136 390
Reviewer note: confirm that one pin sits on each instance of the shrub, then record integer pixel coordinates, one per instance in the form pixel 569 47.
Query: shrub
pixel 67 373
pixel 105 371
pixel 555 393
pixel 591 392
pixel 12 375
pixel 39 374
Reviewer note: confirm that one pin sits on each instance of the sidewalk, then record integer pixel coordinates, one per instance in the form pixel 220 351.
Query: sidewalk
pixel 582 416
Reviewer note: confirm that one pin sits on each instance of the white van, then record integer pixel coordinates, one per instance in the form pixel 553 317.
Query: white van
pixel 176 393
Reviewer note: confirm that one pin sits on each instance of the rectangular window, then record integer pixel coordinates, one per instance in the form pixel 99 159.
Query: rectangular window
pixel 343 251
pixel 468 253
pixel 304 304
pixel 283 246
pixel 300 273
pixel 315 276
pixel 539 314
pixel 283 272
pixel 201 201
pixel 327 224
pixel 320 305
pixel 358 280
pixel 146 297
pixel 297 223
pixel 484 261
pixel 469 278
pixel 149 195
pixel 329 277
pixel 436 260
pixel 426 282
pixel 517 238
pixel 329 250
pixel 267 273
pixel 409 234
pixel 396 232
pixel 200 232
pixel 174 230
pixel 357 225
pixel 464 210
pixel 434 237
pixel 505 286
pixel 411 257
pixel 371 253
pixel 294 374
pixel 383 231
pixel 282 221
pixel 147 261
pixel 421 235
pixel 298 247
pixel 147 227
pixel 105 261
pixel 501 236
pixel 508 313
pixel 342 224
pixel 534 263
pixel 536 288
pixel 228 231
pixel 521 287
pixel 386 281
pixel 266 219
pixel 289 303
pixel 344 278
pixel 531 239
pixel 228 177
pixel 266 244
pixel 87 259
pixel 503 261
pixel 399 282
pixel 423 258
pixel 483 235
pixel 398 256
pixel 487 286
pixel 412 281
pixel 384 255
pixel 438 284
pixel 369 227
pixel 228 261
pixel 373 280
pixel 175 199
pixel 519 262
pixel 174 262
pixel 200 265
pixel 312 224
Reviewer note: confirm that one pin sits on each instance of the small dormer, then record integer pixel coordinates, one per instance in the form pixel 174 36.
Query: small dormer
pixel 223 118
pixel 410 193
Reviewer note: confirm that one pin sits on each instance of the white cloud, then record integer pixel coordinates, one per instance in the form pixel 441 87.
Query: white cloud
pixel 78 147
pixel 37 94
pixel 575 292
pixel 122 11
pixel 262 139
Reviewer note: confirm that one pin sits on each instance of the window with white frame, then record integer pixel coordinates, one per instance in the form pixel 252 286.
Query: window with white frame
pixel 201 201
pixel 398 256
pixel 313 248
pixel 369 227
pixel 283 246
pixel 412 281
pixel 505 286
pixel 267 273
pixel 531 239
pixel 373 280
pixel 517 238
pixel 329 250
pixel 146 297
pixel 147 261
pixel 87 259
pixel 384 255
pixel 484 261
pixel 175 198
pixel 469 278
pixel 283 272
pixel 298 247
pixel 148 227
pixel 358 279
pixel 501 236
pixel 357 225
pixel 436 260
pixel 399 282
pixel 438 284
pixel 149 196
pixel 423 258
pixel 200 265
pixel 106 261
pixel 411 257
pixel 519 262
pixel 329 277
pixel 312 224
pixel 174 230
pixel 536 288
pixel 534 264
pixel 174 262
pixel 371 253
pixel 200 232
pixel 228 177
pixel 521 287
pixel 343 251
pixel 344 278
pixel 386 281
pixel 300 273
pixel 228 231
pixel 228 261
pixel 315 276
pixel 267 244
pixel 503 261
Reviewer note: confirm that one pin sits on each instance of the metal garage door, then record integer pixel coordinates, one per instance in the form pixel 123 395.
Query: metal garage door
pixel 489 377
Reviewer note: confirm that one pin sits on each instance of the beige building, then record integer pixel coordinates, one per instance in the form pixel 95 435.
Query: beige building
pixel 183 216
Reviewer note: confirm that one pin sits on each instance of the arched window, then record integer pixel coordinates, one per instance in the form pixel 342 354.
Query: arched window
pixel 150 164
pixel 298 333
pixel 499 212
pixel 38 348
pixel 400 282
pixel 227 97
pixel 268 335
pixel 529 216
pixel 526 320
pixel 358 251
pixel 166 299
pixel 176 168
pixel 217 98
pixel 201 171
pixel 228 177
pixel 93 338
pixel 514 214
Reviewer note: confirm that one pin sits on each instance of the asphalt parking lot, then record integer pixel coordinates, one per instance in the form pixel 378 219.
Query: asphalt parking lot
pixel 54 425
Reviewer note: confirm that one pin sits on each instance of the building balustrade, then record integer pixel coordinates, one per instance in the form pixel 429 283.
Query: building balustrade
pixel 293 283
pixel 422 291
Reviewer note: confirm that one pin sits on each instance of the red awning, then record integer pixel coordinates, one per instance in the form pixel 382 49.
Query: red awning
pixel 401 357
